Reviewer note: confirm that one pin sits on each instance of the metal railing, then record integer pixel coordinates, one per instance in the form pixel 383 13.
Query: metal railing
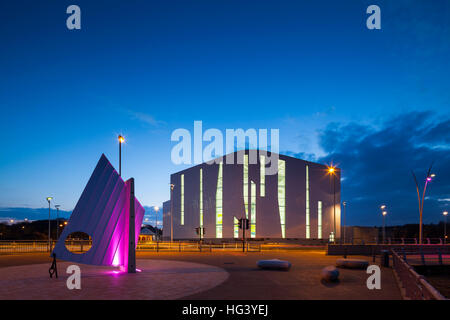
pixel 29 246
pixel 376 240
pixel 81 246
pixel 414 286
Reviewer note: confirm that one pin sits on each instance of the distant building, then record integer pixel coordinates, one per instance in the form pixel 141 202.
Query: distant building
pixel 146 235
pixel 296 202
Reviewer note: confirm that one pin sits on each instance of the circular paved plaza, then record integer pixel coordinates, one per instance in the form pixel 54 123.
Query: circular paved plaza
pixel 158 279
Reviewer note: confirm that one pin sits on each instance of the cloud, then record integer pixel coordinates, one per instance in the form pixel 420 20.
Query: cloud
pixel 376 163
pixel 146 118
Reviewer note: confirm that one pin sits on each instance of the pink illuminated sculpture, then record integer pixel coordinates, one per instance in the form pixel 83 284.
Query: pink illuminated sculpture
pixel 104 211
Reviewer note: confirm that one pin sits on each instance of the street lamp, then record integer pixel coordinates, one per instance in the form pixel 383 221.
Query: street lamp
pixel 430 177
pixel 156 227
pixel 171 211
pixel 384 213
pixel 345 205
pixel 121 140
pixel 445 213
pixel 48 200
pixel 332 173
pixel 57 220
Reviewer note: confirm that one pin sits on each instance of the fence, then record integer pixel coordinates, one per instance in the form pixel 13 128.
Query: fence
pixel 414 286
pixel 26 246
pixel 80 246
pixel 376 240
pixel 375 249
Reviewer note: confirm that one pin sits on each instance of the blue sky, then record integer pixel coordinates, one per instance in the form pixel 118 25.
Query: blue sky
pixel 145 68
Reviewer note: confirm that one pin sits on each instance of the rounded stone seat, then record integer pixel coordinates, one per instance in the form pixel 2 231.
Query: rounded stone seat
pixel 274 264
pixel 352 263
pixel 330 273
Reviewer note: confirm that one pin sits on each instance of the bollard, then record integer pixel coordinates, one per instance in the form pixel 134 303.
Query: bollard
pixel 385 258
pixel 422 256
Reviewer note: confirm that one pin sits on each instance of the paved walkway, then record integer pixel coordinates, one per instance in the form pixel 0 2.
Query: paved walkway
pixel 246 282
pixel 157 279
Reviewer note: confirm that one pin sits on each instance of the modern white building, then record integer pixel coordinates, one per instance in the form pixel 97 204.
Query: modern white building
pixel 301 200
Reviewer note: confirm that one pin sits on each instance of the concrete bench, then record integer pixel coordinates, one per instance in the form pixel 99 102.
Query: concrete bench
pixel 274 264
pixel 330 273
pixel 352 263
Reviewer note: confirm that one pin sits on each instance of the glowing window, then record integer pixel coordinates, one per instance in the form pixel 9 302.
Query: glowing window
pixel 253 212
pixel 308 229
pixel 236 227
pixel 282 195
pixel 331 239
pixel 319 219
pixel 219 202
pixel 201 198
pixel 262 173
pixel 182 200
pixel 245 173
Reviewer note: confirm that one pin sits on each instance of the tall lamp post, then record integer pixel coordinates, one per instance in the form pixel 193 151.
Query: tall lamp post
pixel 445 213
pixel 49 199
pixel 384 213
pixel 121 140
pixel 345 205
pixel 171 211
pixel 332 172
pixel 430 177
pixel 57 220
pixel 156 225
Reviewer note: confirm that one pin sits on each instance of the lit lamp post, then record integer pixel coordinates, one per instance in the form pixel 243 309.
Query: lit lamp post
pixel 445 213
pixel 156 226
pixel 345 205
pixel 384 213
pixel 430 177
pixel 121 140
pixel 171 211
pixel 57 220
pixel 48 200
pixel 332 173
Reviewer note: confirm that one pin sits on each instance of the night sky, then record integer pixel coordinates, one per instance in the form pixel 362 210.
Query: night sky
pixel 375 102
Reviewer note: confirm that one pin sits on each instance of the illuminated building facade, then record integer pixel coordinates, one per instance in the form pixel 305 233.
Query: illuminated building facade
pixel 294 203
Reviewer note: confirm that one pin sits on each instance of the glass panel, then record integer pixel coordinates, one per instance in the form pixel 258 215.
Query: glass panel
pixel 319 219
pixel 282 195
pixel 182 200
pixel 262 173
pixel 219 202
pixel 245 183
pixel 253 212
pixel 308 230
pixel 201 198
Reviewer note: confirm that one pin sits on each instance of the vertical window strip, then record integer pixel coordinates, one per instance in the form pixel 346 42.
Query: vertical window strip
pixel 245 174
pixel 236 227
pixel 201 199
pixel 262 173
pixel 319 219
pixel 308 227
pixel 219 202
pixel 182 200
pixel 282 195
pixel 253 212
